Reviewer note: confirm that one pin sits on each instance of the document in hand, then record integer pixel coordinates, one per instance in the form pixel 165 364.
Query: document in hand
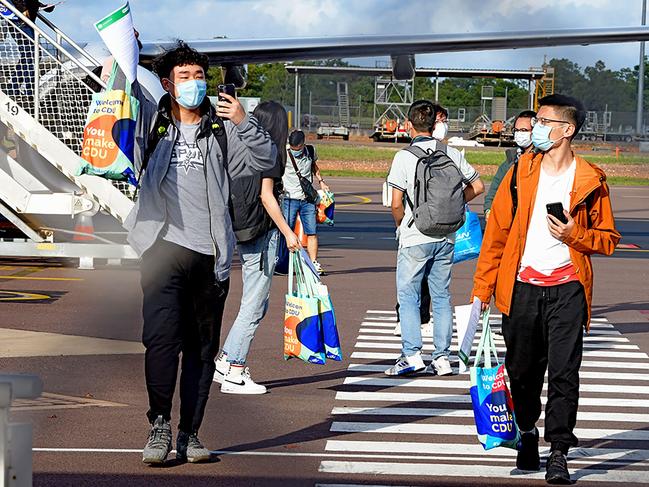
pixel 116 30
pixel 467 318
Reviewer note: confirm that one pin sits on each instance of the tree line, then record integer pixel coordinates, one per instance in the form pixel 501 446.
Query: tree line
pixel 597 86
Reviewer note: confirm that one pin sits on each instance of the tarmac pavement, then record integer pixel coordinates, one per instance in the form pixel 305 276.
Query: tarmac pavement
pixel 343 423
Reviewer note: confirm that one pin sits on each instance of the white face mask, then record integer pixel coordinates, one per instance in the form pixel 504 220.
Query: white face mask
pixel 440 131
pixel 523 139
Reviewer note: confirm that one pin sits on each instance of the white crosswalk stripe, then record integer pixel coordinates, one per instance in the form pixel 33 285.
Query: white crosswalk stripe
pixel 422 426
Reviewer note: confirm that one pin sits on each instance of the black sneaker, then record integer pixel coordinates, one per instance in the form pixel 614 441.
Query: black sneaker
pixel 528 456
pixel 190 449
pixel 556 469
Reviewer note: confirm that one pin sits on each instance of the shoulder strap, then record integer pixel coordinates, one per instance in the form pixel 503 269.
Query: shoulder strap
pixel 297 171
pixel 311 151
pixel 159 130
pixel 218 130
pixel 441 146
pixel 417 151
pixel 513 188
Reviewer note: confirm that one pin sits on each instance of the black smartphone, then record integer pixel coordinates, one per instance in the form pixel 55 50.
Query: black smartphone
pixel 229 89
pixel 556 210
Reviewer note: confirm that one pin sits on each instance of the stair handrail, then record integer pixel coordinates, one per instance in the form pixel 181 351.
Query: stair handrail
pixel 57 45
pixel 67 39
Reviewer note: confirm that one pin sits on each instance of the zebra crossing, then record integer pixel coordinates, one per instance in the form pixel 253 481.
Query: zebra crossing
pixel 422 426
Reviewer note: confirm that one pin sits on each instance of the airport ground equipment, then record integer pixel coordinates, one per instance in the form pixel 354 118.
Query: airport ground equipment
pixel 344 119
pixel 16 438
pixel 383 76
pixel 43 107
pixel 599 127
pixel 391 101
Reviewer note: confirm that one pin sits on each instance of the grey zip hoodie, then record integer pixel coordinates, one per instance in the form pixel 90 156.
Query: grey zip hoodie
pixel 249 150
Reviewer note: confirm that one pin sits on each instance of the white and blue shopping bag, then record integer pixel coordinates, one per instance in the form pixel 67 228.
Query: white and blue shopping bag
pixel 468 239
pixel 493 407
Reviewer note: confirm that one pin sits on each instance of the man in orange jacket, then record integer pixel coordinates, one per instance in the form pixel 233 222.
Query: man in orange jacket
pixel 540 272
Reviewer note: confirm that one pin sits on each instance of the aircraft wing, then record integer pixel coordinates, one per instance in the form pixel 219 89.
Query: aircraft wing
pixel 240 51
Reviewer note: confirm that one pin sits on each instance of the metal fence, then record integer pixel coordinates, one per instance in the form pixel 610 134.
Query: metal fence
pixel 49 76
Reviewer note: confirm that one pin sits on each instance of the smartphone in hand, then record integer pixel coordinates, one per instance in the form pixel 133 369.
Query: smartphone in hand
pixel 556 210
pixel 227 88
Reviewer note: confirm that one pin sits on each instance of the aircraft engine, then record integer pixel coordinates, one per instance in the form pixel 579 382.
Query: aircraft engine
pixel 237 74
pixel 403 66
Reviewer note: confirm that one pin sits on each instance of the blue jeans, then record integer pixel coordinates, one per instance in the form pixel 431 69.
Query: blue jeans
pixel 257 266
pixel 432 261
pixel 291 208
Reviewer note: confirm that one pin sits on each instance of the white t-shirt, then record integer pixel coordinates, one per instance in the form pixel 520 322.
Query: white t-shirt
pixel 543 252
pixel 402 177
pixel 290 180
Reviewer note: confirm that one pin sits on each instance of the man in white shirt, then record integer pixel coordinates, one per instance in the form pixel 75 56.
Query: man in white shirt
pixel 421 256
pixel 304 157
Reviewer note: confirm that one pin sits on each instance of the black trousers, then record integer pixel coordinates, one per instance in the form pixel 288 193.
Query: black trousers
pixel 544 330
pixel 424 306
pixel 182 310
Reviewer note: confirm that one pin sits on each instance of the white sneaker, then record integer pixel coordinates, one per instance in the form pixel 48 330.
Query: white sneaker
pixel 426 329
pixel 440 366
pixel 222 368
pixel 318 267
pixel 242 384
pixel 407 365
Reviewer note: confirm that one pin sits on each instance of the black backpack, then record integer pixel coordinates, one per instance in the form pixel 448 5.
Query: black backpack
pixel 249 217
pixel 438 203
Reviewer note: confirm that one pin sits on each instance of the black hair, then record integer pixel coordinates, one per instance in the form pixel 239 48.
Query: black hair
pixel 525 114
pixel 570 109
pixel 421 115
pixel 440 109
pixel 296 138
pixel 272 117
pixel 180 55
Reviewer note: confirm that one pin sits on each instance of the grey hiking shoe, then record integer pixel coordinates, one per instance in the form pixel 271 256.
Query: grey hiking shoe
pixel 159 444
pixel 190 449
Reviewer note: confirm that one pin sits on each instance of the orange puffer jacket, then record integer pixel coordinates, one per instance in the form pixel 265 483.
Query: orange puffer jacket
pixel 504 240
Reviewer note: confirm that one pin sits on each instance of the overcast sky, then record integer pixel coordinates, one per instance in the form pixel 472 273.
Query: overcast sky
pixel 200 19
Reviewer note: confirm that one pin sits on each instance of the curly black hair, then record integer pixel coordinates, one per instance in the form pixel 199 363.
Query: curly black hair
pixel 180 55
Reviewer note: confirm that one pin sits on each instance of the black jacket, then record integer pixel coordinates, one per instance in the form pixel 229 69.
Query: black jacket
pixel 31 7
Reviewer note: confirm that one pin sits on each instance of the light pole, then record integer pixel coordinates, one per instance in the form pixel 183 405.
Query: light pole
pixel 639 128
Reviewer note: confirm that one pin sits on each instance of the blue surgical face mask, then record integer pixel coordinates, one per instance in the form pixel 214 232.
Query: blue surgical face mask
pixel 191 93
pixel 541 137
pixel 296 153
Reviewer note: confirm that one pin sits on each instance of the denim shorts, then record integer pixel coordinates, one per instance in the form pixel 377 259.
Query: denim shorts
pixel 307 211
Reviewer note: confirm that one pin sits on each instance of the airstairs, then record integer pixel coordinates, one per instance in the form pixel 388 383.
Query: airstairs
pixel 46 85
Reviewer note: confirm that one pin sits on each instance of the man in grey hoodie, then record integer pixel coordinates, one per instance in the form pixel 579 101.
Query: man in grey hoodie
pixel 181 227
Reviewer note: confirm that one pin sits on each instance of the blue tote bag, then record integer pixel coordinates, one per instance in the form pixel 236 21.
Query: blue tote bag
pixel 493 407
pixel 468 239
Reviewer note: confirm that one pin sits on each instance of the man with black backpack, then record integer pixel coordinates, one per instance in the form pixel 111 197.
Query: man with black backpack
pixel 435 181
pixel 181 227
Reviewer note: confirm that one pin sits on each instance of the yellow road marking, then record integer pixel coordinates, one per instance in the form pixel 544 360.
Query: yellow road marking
pixel 20 296
pixel 363 201
pixel 26 278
